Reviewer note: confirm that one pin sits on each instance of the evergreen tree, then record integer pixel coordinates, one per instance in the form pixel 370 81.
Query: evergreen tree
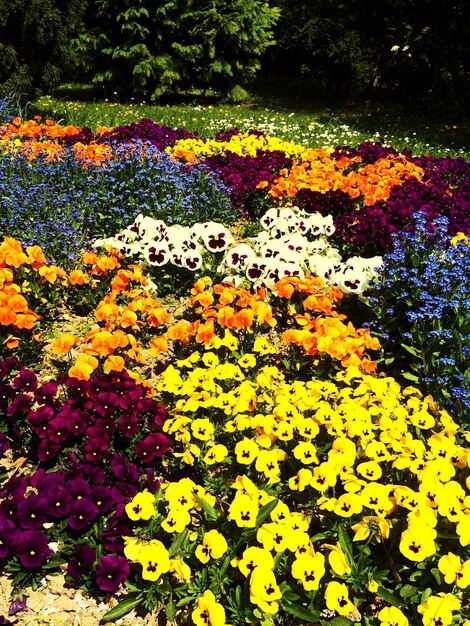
pixel 144 48
pixel 35 44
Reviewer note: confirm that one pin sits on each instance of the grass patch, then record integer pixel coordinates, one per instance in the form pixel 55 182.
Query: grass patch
pixel 294 113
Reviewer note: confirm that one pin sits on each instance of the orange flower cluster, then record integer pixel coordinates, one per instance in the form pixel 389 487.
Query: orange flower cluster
pixel 95 153
pixel 319 172
pixel 325 332
pixel 15 311
pixel 34 138
pixel 127 309
pixel 225 305
pixel 35 129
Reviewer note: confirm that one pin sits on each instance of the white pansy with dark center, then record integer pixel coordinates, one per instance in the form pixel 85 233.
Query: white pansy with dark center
pixel 238 256
pixel 269 218
pixel 216 237
pixel 192 261
pixel 256 269
pixel 156 253
pixel 356 274
pixel 149 228
pixel 320 225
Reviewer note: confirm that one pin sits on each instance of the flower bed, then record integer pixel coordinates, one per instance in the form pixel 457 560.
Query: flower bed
pixel 204 406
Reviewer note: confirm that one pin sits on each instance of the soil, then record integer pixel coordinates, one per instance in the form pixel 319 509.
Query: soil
pixel 56 604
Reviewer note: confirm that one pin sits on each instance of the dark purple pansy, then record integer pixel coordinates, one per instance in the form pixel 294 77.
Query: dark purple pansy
pixel 82 560
pixel 82 513
pixel 111 572
pixel 104 498
pixel 128 425
pixel 58 429
pixel 6 394
pixel 20 405
pixel 79 488
pixel 77 422
pixel 123 471
pixel 46 393
pixel 58 501
pixel 4 446
pixel 7 366
pixel 107 424
pixel 39 420
pixel 25 381
pixel 8 530
pixel 96 448
pixel 153 446
pixel 32 512
pixel 48 450
pixel 32 548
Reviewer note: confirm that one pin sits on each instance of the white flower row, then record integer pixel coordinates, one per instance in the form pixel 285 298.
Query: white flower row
pixel 291 243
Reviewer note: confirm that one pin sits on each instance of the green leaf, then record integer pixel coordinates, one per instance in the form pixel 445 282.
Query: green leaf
pixel 290 596
pixel 301 613
pixel 185 601
pixel 264 511
pixel 426 594
pixel 409 376
pixel 346 546
pixel 340 621
pixel 388 596
pixel 408 591
pixel 177 542
pixel 122 608
pixel 411 350
pixel 437 575
pixel 209 512
pixel 170 610
pixel 320 537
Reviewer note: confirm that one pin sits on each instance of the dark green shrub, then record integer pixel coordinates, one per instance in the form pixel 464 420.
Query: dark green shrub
pixel 35 44
pixel 144 49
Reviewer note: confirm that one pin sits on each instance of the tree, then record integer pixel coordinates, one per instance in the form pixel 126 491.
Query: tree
pixel 141 48
pixel 35 44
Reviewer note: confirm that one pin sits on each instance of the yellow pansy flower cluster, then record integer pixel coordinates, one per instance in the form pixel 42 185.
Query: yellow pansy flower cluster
pixel 357 452
pixel 243 144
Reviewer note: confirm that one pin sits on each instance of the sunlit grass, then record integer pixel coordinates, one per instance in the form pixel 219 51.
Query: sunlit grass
pixel 312 125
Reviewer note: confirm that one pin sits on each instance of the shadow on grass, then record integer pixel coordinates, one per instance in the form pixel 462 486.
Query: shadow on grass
pixel 386 116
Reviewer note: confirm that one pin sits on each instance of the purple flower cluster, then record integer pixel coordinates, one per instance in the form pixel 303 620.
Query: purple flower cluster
pixel 226 135
pixel 93 444
pixel 161 136
pixel 367 150
pixel 86 420
pixel 242 174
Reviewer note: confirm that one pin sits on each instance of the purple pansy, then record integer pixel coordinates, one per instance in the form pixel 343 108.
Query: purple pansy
pixel 111 572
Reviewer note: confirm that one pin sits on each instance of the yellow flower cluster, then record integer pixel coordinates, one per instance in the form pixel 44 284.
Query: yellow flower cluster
pixel 359 451
pixel 243 144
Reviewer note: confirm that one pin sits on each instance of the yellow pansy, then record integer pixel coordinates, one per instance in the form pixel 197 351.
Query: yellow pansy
pixel 214 545
pixel 208 611
pixel 141 507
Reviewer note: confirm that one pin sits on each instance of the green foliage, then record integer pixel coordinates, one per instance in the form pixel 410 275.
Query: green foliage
pixel 141 49
pixel 35 49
